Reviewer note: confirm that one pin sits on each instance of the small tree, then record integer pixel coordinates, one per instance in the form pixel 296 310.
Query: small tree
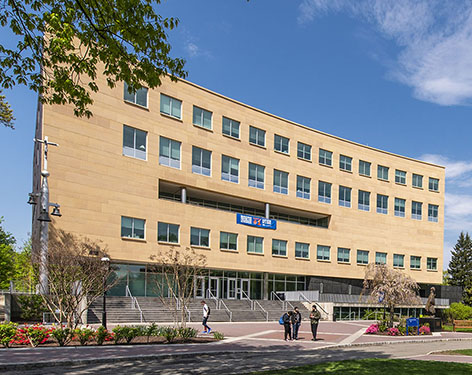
pixel 460 266
pixel 177 270
pixel 390 287
pixel 75 276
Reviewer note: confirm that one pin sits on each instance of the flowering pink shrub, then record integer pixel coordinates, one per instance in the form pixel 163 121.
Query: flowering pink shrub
pixel 393 332
pixel 373 329
pixel 33 335
pixel 425 330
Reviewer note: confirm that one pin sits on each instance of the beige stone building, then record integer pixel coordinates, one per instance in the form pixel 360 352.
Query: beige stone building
pixel 274 205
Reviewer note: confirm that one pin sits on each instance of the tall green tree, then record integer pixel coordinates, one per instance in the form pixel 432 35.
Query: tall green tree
pixel 6 113
pixel 62 43
pixel 7 255
pixel 460 266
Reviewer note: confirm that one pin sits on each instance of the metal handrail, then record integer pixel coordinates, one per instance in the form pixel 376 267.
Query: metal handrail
pixel 189 313
pixel 227 310
pixel 251 302
pixel 311 302
pixel 264 310
pixel 135 303
pixel 278 298
pixel 212 296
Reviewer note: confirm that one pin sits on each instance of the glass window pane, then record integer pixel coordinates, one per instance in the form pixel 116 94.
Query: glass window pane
pixel 128 136
pixel 165 104
pixel 176 108
pixel 141 96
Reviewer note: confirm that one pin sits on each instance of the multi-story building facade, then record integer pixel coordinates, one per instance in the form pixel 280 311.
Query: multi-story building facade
pixel 272 204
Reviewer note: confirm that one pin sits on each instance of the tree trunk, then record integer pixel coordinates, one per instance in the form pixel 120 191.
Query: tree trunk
pixel 392 312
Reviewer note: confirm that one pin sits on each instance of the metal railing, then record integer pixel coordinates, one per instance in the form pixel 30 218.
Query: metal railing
pixel 227 310
pixel 262 309
pixel 303 297
pixel 246 297
pixel 212 296
pixel 277 298
pixel 135 304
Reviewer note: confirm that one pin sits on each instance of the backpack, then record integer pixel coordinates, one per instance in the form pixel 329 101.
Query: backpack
pixel 281 320
pixel 209 310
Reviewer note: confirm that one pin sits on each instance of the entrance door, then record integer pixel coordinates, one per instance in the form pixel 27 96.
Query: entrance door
pixel 200 287
pixel 231 288
pixel 214 287
pixel 244 291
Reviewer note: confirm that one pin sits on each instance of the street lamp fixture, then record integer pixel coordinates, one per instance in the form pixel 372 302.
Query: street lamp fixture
pixel 106 263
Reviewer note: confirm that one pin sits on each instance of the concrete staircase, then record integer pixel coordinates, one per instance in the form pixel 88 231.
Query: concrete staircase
pixel 119 310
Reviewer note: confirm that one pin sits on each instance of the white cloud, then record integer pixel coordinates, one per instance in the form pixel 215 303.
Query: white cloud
pixel 454 169
pixel 192 49
pixel 435 39
pixel 458 206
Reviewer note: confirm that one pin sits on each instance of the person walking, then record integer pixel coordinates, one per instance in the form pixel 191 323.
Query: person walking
pixel 315 317
pixel 206 315
pixel 287 319
pixel 296 322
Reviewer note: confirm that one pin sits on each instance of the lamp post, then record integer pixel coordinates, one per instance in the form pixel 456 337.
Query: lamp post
pixel 44 218
pixel 106 263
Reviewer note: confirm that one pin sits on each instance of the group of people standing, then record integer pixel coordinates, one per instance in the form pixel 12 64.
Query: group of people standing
pixel 293 319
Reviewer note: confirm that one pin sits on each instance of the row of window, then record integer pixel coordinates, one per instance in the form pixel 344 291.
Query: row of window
pixel 203 118
pixel 169 233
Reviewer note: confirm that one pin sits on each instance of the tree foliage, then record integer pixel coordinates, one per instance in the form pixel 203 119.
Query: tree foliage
pixel 7 256
pixel 390 287
pixel 6 113
pixel 177 270
pixel 460 266
pixel 62 43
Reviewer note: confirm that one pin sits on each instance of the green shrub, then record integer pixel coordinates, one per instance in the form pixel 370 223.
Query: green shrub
pixel 32 307
pixel 151 330
pixel 187 333
pixel 458 311
pixel 169 333
pixel 218 335
pixel 7 333
pixel 62 335
pixel 125 333
pixel 84 335
pixel 101 335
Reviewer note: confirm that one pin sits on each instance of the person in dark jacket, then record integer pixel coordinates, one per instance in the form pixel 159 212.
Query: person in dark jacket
pixel 296 321
pixel 287 318
pixel 315 317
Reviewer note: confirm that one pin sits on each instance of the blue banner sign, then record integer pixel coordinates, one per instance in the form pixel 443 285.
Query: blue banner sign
pixel 255 221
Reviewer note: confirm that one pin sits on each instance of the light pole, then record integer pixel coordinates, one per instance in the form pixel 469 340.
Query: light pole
pixel 44 218
pixel 106 263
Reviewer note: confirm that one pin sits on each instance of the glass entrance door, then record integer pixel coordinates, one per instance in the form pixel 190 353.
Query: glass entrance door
pixel 231 288
pixel 244 288
pixel 214 287
pixel 200 287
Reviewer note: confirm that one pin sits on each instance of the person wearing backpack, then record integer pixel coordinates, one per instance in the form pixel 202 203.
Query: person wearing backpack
pixel 206 315
pixel 287 322
pixel 296 322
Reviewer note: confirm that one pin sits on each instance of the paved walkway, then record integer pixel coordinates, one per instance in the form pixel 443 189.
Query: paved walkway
pixel 245 349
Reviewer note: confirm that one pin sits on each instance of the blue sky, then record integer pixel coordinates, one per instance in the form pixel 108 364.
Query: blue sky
pixel 395 75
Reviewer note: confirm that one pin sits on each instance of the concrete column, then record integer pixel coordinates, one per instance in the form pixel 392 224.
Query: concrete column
pixel 265 287
pixel 267 210
pixel 183 195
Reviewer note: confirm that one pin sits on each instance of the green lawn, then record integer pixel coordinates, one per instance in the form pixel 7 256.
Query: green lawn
pixel 378 366
pixel 460 351
pixel 449 329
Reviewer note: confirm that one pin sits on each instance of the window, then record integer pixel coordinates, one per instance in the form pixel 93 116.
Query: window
pixel 167 232
pixel 400 177
pixel 364 200
pixel 171 107
pixel 433 213
pixel 364 168
pixel 382 204
pixel 398 260
pixel 201 161
pixel 433 184
pixel 169 152
pixel 228 241
pixel 134 142
pixel 399 207
pixel 199 237
pixel 137 97
pixel 432 264
pixel 255 245
pixel 380 258
pixel 304 151
pixel 279 247
pixel 417 181
pixel 382 172
pixel 280 182
pixel 132 228
pixel 229 169
pixel 202 117
pixel 322 252
pixel 362 257
pixel 256 175
pixel 281 144
pixel 416 210
pixel 302 250
pixel 257 136
pixel 231 127
pixel 415 262
pixel 345 163
pixel 303 187
pixel 344 196
pixel 324 192
pixel 343 255
pixel 326 157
